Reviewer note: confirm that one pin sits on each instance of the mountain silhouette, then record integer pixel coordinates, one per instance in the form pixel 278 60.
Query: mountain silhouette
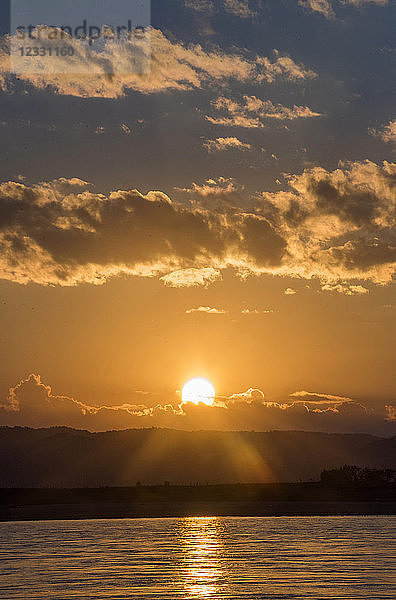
pixel 62 457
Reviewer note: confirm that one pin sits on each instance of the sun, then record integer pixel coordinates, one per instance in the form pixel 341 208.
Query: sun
pixel 198 390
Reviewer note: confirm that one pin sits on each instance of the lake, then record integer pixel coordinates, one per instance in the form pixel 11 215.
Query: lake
pixel 207 557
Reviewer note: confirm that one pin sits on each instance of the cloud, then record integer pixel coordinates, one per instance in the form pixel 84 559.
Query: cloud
pixel 206 6
pixel 192 277
pixel 33 403
pixel 318 398
pixel 252 395
pixel 227 143
pixel 254 113
pixel 341 225
pixel 283 67
pixel 238 8
pixel 207 310
pixel 327 7
pixel 32 400
pixel 311 401
pixel 337 226
pixel 289 292
pixel 215 191
pixel 387 133
pixel 347 290
pixel 51 236
pixel 323 7
pixel 255 311
pixel 216 311
pixel 168 65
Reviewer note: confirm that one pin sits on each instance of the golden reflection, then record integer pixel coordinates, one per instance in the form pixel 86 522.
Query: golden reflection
pixel 201 568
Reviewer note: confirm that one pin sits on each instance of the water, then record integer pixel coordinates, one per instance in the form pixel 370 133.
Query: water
pixel 200 558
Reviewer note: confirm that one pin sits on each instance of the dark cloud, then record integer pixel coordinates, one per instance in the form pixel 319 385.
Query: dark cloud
pixel 260 241
pixel 51 236
pixel 365 253
pixel 338 226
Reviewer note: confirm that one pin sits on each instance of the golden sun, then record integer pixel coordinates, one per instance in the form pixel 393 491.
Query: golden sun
pixel 198 390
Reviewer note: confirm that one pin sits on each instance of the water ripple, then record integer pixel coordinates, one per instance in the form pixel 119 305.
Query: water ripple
pixel 271 558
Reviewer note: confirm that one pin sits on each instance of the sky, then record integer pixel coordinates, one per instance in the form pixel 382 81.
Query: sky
pixel 222 206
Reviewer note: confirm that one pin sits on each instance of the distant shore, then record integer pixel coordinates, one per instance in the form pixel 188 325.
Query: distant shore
pixel 199 509
pixel 238 500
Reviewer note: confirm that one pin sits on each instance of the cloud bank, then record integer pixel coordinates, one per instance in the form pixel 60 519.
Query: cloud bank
pixel 336 226
pixel 151 65
pixel 32 403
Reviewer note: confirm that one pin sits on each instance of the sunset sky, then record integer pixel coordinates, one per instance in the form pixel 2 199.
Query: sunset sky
pixel 229 214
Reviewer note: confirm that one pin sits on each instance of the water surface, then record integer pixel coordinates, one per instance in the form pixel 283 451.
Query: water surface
pixel 209 557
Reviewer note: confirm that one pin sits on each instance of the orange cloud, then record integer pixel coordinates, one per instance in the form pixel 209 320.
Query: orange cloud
pixel 32 403
pixel 192 277
pixel 171 65
pixel 337 226
pixel 228 143
pixel 207 310
pixel 387 133
pixel 254 113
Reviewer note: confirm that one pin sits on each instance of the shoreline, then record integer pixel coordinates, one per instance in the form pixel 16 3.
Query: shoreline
pixel 45 512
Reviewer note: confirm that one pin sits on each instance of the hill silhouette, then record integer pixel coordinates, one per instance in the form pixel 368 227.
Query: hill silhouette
pixel 62 457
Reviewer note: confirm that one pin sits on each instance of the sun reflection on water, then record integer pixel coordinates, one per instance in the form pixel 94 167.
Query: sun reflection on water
pixel 201 564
